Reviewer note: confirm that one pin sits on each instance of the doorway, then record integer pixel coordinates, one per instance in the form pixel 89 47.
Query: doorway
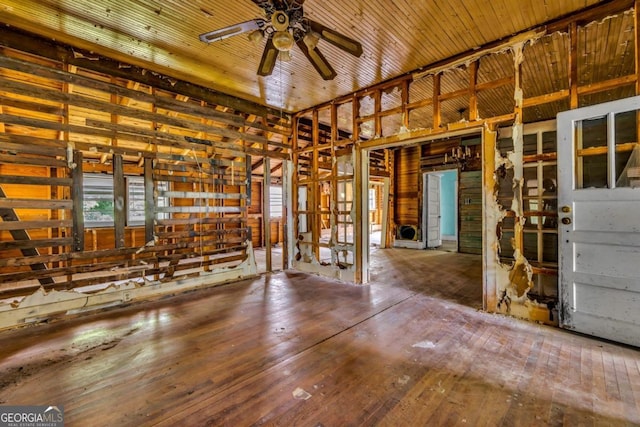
pixel 425 210
pixel 440 210
pixel 271 228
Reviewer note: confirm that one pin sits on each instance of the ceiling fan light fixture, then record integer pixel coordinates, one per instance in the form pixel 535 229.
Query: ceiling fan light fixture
pixel 255 36
pixel 284 55
pixel 283 41
pixel 311 39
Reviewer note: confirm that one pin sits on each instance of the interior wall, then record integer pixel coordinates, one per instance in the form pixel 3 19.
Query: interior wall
pixel 69 244
pixel 408 187
pixel 471 214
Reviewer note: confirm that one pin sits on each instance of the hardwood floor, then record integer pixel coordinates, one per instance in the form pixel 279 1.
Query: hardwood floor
pixel 290 349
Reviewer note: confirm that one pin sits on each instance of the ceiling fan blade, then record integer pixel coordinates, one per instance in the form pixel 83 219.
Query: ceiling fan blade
pixel 318 61
pixel 233 30
pixel 335 38
pixel 268 60
pixel 263 3
pixel 278 4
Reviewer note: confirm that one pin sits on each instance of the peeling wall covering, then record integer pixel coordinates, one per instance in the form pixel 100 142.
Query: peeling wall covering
pixel 42 306
pixel 528 79
pixel 327 247
pixel 511 281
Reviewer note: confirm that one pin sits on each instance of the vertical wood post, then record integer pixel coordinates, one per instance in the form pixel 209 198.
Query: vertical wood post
pixel 77 194
pixel 405 100
pixel 119 201
pixel 437 119
pixel 149 204
pixel 573 65
pixel 490 239
pixel 266 210
pixel 314 190
pixel 473 94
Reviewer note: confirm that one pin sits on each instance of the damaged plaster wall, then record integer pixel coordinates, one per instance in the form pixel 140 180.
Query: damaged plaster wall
pixel 338 268
pixel 513 280
pixel 41 305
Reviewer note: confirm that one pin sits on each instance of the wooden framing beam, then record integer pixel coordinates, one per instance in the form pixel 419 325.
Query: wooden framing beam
pixel 149 201
pixel 9 215
pixel 51 49
pixel 119 201
pixel 77 195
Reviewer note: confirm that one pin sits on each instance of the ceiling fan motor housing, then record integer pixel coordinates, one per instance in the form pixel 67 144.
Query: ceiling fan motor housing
pixel 285 26
pixel 280 20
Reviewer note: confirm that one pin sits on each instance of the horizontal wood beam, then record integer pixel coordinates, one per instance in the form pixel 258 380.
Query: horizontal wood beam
pixel 46 48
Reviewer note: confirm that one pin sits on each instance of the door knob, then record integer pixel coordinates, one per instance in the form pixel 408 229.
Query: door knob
pixel 566 209
pixel 566 220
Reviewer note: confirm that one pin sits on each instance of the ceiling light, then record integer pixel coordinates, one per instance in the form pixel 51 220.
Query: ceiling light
pixel 284 55
pixel 255 36
pixel 282 40
pixel 311 40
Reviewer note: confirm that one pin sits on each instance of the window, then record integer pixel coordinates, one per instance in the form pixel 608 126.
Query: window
pixel 604 160
pixel 135 200
pixel 162 201
pixel 98 200
pixel 275 201
pixel 372 199
pixel 97 205
pixel 540 199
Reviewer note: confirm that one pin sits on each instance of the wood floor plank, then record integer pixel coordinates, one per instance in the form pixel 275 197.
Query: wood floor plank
pixel 411 348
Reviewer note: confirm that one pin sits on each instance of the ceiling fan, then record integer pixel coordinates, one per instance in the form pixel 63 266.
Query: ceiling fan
pixel 284 26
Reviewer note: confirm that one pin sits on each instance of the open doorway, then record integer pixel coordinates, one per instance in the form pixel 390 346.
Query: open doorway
pixel 440 210
pixel 435 202
pixel 378 211
pixel 268 224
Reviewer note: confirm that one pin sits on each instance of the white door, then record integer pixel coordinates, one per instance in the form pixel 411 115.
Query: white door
pixel 433 211
pixel 599 222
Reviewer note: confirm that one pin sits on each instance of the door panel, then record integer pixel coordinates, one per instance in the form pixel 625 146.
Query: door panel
pixel 433 211
pixel 599 236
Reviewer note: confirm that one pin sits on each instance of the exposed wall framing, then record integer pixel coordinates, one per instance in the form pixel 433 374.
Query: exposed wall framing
pixel 177 172
pixel 585 59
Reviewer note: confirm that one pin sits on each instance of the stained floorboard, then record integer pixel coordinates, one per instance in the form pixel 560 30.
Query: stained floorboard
pixel 287 349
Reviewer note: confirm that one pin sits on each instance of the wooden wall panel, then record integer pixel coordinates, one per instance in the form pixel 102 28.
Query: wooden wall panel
pixel 407 184
pixel 470 208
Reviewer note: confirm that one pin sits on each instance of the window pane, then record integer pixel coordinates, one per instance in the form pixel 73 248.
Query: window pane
pixel 550 247
pixel 594 132
pixel 135 201
pixel 302 206
pixel 550 195
pixel 626 132
pixel 595 171
pixel 591 154
pixel 162 200
pixel 530 144
pixel 504 146
pixel 97 205
pixel 275 201
pixel 531 195
pixel 531 246
pixel 549 142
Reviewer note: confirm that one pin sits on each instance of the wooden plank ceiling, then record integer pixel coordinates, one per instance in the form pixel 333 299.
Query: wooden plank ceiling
pixel 397 37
